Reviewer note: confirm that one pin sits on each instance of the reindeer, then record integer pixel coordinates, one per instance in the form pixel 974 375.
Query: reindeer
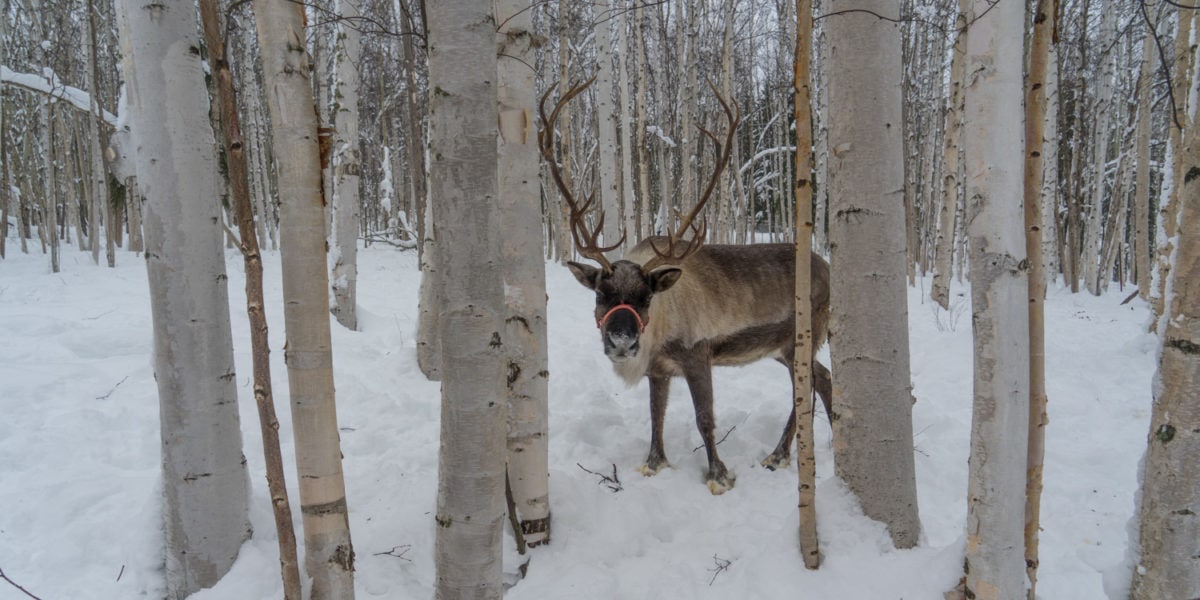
pixel 675 307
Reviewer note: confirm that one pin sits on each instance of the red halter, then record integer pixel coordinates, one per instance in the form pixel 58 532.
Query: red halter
pixel 641 323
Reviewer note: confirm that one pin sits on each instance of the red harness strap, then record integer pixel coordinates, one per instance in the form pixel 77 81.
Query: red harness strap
pixel 641 324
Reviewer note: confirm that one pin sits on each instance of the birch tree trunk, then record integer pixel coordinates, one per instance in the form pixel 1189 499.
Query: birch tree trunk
pixel 524 274
pixel 641 21
pixel 1094 232
pixel 205 484
pixel 464 188
pixel 821 158
pixel 629 202
pixel 328 552
pixel 346 167
pixel 429 335
pixel 999 295
pixel 1180 82
pixel 1051 258
pixel 873 439
pixel 1143 235
pixel 5 200
pixel 239 192
pixel 1169 515
pixel 689 156
pixel 803 401
pixel 567 17
pixel 97 143
pixel 609 182
pixel 1035 112
pixel 939 290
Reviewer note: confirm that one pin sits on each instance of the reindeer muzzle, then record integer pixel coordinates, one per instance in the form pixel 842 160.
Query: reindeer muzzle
pixel 619 308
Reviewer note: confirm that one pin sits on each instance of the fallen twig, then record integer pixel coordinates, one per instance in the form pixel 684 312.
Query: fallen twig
pixel 613 483
pixel 14 584
pixel 718 441
pixel 401 555
pixel 722 566
pixel 114 388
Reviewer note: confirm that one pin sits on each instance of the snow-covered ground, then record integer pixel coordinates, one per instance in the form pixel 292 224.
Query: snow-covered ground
pixel 79 461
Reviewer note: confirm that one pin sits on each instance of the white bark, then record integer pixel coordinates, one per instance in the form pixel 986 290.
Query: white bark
pixel 1169 515
pixel 641 21
pixel 98 202
pixel 803 402
pixel 641 26
pixel 1094 232
pixel 1181 84
pixel 429 336
pixel 1050 195
pixel 328 552
pixel 939 290
pixel 628 200
pixel 524 274
pixel 1143 236
pixel 873 440
pixel 993 157
pixel 463 189
pixel 204 479
pixel 345 164
pixel 606 114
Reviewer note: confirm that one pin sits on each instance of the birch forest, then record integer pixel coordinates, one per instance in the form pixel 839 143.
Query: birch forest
pixel 1117 93
pixel 1114 204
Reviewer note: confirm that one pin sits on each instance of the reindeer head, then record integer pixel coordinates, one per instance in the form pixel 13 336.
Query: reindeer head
pixel 624 289
pixel 623 296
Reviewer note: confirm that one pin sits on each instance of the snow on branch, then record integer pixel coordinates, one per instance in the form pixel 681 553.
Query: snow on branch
pixel 763 154
pixel 49 84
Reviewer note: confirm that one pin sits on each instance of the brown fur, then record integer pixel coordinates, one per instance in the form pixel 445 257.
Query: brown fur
pixel 731 305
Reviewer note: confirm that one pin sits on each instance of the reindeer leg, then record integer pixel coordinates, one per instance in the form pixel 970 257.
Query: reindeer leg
pixel 782 455
pixel 657 459
pixel 698 372
pixel 823 385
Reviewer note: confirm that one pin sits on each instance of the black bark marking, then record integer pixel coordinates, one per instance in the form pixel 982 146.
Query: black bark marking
pixel 1184 346
pixel 1165 433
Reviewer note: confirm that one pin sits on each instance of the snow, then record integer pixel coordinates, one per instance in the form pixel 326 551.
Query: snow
pixel 79 461
pixel 49 84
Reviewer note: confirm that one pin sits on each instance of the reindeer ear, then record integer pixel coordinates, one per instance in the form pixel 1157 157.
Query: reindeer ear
pixel 661 280
pixel 586 274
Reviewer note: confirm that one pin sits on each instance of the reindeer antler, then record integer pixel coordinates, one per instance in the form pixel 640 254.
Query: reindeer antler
pixel 585 239
pixel 673 254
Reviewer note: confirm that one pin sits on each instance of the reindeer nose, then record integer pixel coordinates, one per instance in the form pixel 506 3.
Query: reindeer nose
pixel 622 346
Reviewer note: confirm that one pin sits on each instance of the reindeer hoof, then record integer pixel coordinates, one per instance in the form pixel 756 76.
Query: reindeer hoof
pixel 720 484
pixel 651 470
pixel 775 461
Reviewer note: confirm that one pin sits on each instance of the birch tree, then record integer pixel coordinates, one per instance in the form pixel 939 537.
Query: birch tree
pixel 205 484
pixel 346 166
pixel 1169 515
pixel 225 99
pixel 328 552
pixel 524 275
pixel 607 114
pixel 1094 232
pixel 951 172
pixel 96 140
pixel 1143 240
pixel 1167 221
pixel 803 401
pixel 873 439
pixel 999 295
pixel 1035 109
pixel 463 192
